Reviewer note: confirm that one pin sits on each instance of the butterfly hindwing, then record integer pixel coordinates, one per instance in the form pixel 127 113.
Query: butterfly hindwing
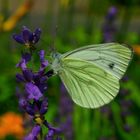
pixel 88 85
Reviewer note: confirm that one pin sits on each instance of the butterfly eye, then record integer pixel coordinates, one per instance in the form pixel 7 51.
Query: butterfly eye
pixel 55 55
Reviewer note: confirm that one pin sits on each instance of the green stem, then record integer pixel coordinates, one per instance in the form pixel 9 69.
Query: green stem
pixel 41 135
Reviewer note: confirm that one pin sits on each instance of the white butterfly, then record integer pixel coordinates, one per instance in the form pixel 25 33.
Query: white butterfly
pixel 91 74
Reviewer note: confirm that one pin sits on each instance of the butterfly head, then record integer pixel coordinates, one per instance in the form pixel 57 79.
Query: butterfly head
pixel 56 55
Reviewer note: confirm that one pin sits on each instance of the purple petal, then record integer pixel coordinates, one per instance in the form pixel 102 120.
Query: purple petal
pixel 29 137
pixel 36 35
pixel 20 77
pixel 56 130
pixel 42 87
pixel 19 39
pixel 37 32
pixel 44 64
pixel 36 130
pixel 22 103
pixel 112 11
pixel 33 91
pixel 36 77
pixel 26 56
pixel 22 64
pixel 28 75
pixel 33 135
pixel 44 106
pixel 42 55
pixel 26 33
pixel 62 88
pixel 43 79
pixel 51 133
pixel 30 109
pixel 31 38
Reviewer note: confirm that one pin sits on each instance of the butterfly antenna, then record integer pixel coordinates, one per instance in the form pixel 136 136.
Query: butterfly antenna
pixel 52 48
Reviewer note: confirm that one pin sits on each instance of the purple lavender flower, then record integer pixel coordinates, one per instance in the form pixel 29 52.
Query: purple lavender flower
pixel 27 37
pixel 109 28
pixel 66 109
pixel 52 131
pixel 34 133
pixel 112 13
pixel 125 104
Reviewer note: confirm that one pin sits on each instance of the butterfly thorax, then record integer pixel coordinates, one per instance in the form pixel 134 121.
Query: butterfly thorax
pixel 56 66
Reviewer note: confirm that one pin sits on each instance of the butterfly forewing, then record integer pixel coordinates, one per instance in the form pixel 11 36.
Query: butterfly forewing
pixel 105 55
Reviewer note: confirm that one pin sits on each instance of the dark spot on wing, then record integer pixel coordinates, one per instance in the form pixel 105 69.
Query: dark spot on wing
pixel 111 65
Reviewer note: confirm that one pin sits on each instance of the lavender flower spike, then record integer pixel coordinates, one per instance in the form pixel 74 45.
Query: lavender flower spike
pixel 32 100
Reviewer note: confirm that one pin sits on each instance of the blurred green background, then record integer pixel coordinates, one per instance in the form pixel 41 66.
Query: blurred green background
pixel 79 23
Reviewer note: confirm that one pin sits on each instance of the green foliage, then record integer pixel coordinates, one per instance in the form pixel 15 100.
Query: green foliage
pixel 73 33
